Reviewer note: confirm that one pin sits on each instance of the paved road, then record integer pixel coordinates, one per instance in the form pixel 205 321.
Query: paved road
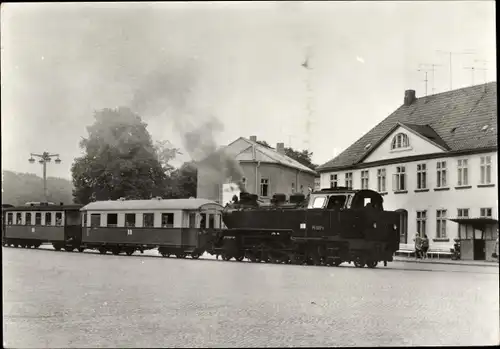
pixel 59 299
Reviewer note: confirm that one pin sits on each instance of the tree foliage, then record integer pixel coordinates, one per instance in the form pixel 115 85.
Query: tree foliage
pixel 19 188
pixel 183 181
pixel 302 156
pixel 119 160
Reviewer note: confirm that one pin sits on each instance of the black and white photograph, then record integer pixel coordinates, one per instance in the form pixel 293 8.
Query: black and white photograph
pixel 219 174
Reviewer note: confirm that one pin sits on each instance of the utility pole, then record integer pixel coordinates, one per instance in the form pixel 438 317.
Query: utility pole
pixel 45 158
pixel 451 54
pixel 433 69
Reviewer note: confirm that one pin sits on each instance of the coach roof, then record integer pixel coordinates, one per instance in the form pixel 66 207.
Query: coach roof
pixel 153 204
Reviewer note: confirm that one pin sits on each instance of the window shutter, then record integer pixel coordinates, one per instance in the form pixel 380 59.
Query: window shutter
pixel 394 182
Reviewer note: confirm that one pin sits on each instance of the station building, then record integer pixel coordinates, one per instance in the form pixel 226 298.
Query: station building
pixel 434 159
pixel 266 170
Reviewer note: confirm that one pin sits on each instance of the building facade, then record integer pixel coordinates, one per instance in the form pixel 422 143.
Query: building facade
pixel 266 171
pixel 435 161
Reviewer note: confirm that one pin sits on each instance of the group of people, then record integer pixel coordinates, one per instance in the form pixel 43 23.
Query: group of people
pixel 421 246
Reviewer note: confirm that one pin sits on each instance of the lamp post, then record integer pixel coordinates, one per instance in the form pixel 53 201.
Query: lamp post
pixel 44 159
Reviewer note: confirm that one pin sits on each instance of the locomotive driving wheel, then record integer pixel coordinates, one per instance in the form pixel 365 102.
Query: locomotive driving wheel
pixel 359 262
pixel 195 255
pixel 129 252
pixel 371 264
pixel 240 258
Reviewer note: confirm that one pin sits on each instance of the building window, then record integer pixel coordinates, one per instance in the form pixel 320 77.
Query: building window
pixel 462 230
pixel 399 179
pixel 381 180
pixel 244 183
pixel 333 180
pixel 112 219
pixel 441 224
pixel 463 172
pixel 485 169
pixel 463 213
pixel 348 180
pixel 167 220
pixel 421 176
pixel 441 174
pixel 422 222
pixel 264 187
pixel 400 141
pixel 486 213
pixel 293 188
pixel 364 179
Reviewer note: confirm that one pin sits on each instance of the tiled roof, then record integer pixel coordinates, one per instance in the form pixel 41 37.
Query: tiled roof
pixel 455 118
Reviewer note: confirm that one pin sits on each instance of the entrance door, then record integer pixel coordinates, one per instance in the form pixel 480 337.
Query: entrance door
pixel 479 249
pixel 403 226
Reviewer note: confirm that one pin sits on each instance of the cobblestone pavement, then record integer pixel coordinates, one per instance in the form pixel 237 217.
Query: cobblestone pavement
pixel 59 299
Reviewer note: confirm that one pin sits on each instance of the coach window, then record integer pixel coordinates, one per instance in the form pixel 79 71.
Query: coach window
pixel 211 221
pixel 10 218
pixel 167 220
pixel 130 219
pixel 19 218
pixel 319 202
pixel 59 218
pixel 203 221
pixel 48 218
pixel 112 220
pixel 84 219
pixel 148 220
pixel 95 220
pixel 38 218
pixel 28 218
pixel 192 220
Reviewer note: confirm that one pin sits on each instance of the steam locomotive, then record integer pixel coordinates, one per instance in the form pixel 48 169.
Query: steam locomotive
pixel 328 227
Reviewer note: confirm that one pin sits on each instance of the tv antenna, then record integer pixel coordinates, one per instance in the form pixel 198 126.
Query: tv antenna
pixel 484 69
pixel 451 54
pixel 473 69
pixel 433 69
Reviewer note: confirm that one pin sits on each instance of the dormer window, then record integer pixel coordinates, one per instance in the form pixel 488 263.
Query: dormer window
pixel 400 141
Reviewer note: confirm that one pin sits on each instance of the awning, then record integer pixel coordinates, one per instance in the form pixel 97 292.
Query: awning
pixel 479 223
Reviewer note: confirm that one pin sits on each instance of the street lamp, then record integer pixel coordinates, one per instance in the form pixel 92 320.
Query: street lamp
pixel 44 159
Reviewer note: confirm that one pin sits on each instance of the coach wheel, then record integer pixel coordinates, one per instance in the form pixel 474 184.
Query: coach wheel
pixel 165 254
pixel 239 258
pixel 359 263
pixel 81 249
pixel 116 251
pixel 15 245
pixel 226 257
pixel 371 264
pixel 180 255
pixel 102 250
pixel 195 255
pixel 129 252
pixel 337 262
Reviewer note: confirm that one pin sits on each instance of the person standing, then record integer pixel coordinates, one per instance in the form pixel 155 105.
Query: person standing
pixel 425 246
pixel 418 245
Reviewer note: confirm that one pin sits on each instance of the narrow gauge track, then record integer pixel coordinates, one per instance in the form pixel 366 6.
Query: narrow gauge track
pixel 49 247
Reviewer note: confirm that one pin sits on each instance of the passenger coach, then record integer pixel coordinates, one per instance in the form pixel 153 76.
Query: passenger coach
pixel 179 227
pixel 33 224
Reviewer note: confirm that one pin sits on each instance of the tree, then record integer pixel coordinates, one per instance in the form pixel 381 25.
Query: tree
pixel 302 156
pixel 166 153
pixel 120 160
pixel 19 188
pixel 183 181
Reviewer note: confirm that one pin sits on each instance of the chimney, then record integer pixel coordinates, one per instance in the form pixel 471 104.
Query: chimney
pixel 253 138
pixel 409 97
pixel 280 148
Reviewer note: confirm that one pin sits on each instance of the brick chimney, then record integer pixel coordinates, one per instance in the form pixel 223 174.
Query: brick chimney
pixel 280 148
pixel 409 97
pixel 253 138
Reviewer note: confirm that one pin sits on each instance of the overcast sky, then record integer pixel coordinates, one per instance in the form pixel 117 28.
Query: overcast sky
pixel 241 62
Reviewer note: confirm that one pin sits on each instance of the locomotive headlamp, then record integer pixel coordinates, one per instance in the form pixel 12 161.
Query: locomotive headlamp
pixel 395 226
pixel 375 225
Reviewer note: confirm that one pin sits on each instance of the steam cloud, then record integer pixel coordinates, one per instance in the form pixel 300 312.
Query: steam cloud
pixel 170 94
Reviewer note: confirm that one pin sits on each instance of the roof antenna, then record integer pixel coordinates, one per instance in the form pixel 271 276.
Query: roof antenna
pixel 451 54
pixel 433 68
pixel 425 80
pixel 307 65
pixel 472 69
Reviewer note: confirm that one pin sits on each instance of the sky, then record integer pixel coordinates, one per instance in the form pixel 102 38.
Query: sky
pixel 241 63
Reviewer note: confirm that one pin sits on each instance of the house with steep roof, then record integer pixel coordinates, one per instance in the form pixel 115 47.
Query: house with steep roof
pixel 266 171
pixel 435 160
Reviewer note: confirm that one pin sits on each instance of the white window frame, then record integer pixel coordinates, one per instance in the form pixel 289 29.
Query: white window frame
pixel 441 178
pixel 422 176
pixel 462 172
pixel 441 232
pixel 293 187
pixel 365 179
pixel 400 141
pixel 485 169
pixel 399 182
pixel 348 179
pixel 422 222
pixel 381 180
pixel 333 180
pixel 486 212
pixel 463 213
pixel 264 182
